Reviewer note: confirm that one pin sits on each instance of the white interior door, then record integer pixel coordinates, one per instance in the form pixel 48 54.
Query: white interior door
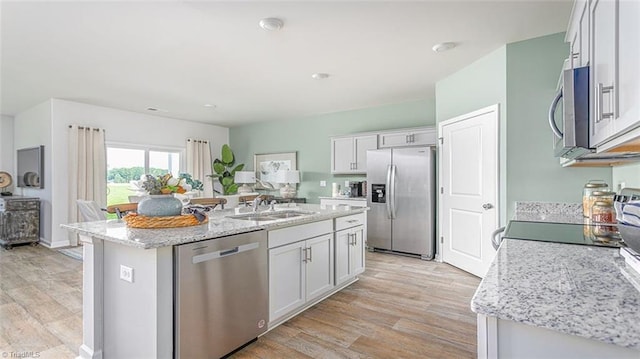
pixel 469 189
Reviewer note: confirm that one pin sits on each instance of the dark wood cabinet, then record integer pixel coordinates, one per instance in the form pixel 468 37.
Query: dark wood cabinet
pixel 19 220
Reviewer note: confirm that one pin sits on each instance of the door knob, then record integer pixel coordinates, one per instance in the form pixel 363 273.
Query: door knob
pixel 487 206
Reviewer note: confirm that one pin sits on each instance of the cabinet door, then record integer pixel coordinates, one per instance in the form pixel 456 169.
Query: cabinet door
pixel 319 266
pixel 603 73
pixel 584 34
pixel 423 137
pixel 362 144
pixel 342 156
pixel 286 279
pixel 628 66
pixel 357 251
pixel 394 139
pixel 343 254
pixel 20 226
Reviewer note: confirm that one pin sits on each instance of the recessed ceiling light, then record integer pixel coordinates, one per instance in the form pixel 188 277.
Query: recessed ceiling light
pixel 208 105
pixel 319 76
pixel 156 109
pixel 271 24
pixel 443 46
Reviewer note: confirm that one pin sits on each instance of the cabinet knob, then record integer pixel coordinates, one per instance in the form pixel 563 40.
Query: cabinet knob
pixel 487 206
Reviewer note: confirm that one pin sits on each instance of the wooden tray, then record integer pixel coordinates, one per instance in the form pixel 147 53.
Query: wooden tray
pixel 134 220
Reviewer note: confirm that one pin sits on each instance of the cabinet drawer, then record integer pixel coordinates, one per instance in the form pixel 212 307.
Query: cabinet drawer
pixel 280 237
pixel 350 221
pixel 21 205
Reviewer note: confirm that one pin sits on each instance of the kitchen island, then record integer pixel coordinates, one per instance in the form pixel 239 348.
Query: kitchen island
pixel 555 300
pixel 128 274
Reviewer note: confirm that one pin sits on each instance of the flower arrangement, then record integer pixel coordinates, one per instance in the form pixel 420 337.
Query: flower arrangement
pixel 167 184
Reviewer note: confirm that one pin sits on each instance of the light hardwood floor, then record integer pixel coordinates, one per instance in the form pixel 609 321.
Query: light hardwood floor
pixel 400 308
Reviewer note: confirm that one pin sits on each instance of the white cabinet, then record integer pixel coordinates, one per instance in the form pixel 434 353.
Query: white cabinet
pixel 628 81
pixel 349 154
pixel 578 34
pixel 615 77
pixel 300 266
pixel 499 338
pixel 603 73
pixel 350 234
pixel 416 137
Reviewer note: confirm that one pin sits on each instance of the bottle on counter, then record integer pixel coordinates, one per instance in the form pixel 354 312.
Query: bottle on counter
pixel 589 188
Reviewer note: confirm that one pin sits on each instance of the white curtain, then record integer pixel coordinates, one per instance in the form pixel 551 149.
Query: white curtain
pixel 87 168
pixel 199 163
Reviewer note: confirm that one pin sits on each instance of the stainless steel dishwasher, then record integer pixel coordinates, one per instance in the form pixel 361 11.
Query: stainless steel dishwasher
pixel 221 294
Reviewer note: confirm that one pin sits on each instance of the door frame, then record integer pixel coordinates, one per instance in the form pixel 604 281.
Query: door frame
pixel 498 202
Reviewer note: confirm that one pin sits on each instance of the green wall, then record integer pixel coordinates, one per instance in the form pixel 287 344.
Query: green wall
pixel 310 137
pixel 533 173
pixel 481 84
pixel 521 77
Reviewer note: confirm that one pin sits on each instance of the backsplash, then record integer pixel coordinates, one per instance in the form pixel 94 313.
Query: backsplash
pixel 549 212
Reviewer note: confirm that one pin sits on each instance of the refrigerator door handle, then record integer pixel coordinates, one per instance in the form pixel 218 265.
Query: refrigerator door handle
pixel 389 192
pixel 392 190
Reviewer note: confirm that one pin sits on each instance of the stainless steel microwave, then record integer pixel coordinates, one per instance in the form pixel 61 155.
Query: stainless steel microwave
pixel 572 137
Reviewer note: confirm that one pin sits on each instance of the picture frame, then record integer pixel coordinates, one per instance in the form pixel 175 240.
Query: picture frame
pixel 267 164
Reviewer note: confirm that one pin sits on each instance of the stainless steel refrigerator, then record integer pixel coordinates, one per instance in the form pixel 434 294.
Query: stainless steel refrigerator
pixel 401 198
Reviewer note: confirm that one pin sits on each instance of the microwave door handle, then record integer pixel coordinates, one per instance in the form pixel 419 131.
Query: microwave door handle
pixel 552 111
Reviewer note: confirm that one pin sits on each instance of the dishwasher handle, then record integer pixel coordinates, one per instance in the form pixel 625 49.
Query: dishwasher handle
pixel 224 253
pixel 496 243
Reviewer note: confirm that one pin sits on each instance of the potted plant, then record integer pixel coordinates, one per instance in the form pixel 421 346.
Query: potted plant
pixel 160 201
pixel 225 171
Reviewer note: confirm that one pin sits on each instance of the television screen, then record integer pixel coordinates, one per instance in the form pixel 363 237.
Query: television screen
pixel 31 167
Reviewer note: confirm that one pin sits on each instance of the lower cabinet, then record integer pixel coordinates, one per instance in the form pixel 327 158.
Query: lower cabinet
pixel 299 272
pixel 349 253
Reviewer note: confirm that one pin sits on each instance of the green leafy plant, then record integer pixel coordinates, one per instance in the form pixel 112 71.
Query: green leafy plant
pixel 224 170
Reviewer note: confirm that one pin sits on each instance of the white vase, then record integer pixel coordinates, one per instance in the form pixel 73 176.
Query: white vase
pixel 232 200
pixel 159 206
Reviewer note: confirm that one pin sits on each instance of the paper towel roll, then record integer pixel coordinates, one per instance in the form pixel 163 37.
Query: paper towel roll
pixel 335 189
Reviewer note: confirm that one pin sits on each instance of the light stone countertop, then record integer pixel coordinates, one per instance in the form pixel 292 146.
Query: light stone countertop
pixel 347 198
pixel 577 290
pixel 218 226
pixel 549 212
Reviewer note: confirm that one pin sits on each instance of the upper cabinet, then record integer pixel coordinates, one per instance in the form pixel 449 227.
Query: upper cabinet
pixel 417 137
pixel 578 34
pixel 615 78
pixel 349 154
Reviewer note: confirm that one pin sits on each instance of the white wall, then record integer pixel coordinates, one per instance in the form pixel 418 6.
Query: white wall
pixel 33 128
pixel 625 176
pixel 6 147
pixel 121 127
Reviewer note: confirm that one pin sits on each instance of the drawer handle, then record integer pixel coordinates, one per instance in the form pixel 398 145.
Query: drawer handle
pixel 352 221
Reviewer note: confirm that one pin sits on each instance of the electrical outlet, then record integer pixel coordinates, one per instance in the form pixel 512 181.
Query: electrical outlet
pixel 323 183
pixel 126 273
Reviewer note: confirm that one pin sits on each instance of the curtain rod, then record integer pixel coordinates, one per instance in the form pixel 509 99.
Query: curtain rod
pixel 201 141
pixel 85 128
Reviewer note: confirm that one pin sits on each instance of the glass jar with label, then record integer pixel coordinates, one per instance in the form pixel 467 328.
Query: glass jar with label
pixel 602 216
pixel 589 188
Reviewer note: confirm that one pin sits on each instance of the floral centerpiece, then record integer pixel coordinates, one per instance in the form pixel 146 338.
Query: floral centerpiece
pixel 165 184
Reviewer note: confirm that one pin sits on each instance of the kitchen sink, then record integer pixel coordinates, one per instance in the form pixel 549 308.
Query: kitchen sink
pixel 270 215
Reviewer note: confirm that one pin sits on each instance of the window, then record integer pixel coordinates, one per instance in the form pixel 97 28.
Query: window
pixel 127 163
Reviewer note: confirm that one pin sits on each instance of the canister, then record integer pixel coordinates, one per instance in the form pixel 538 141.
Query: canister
pixel 589 188
pixel 602 215
pixel 603 196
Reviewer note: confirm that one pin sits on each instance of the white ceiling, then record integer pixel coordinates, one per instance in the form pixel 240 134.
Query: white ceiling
pixel 180 55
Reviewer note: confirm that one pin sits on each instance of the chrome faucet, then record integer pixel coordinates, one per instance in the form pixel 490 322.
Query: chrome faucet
pixel 256 203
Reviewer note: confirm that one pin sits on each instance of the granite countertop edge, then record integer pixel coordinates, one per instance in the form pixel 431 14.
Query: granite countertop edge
pixel 219 225
pixel 562 295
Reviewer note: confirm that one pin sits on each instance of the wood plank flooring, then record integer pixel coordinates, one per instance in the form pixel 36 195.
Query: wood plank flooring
pixel 400 308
